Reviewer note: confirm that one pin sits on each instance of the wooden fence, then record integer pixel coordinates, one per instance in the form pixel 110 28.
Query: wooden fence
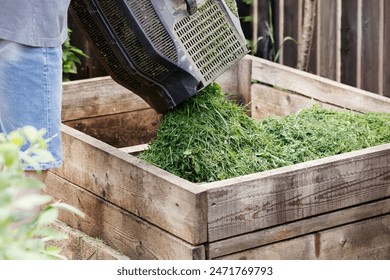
pixel 351 41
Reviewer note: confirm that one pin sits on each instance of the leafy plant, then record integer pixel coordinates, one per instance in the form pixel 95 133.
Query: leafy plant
pixel 24 235
pixel 70 58
pixel 208 138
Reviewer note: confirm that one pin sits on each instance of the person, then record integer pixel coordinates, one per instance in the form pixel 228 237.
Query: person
pixel 31 36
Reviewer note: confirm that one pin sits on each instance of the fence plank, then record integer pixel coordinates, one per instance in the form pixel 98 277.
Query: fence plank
pixel 291 23
pixel 349 42
pixel 386 56
pixel 327 40
pixel 313 52
pixel 370 45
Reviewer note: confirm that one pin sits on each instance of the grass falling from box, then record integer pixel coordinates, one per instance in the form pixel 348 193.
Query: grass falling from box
pixel 209 138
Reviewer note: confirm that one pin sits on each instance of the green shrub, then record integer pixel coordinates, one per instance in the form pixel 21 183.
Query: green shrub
pixel 23 234
pixel 70 58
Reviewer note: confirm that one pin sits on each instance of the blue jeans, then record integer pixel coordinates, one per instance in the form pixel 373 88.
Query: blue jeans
pixel 30 92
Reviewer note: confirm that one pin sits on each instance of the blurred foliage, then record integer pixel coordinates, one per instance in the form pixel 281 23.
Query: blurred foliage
pixel 70 58
pixel 23 233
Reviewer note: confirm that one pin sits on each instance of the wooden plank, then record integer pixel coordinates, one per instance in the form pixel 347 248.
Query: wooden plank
pixel 367 239
pixel 364 240
pixel 118 228
pixel 320 88
pixel 269 101
pixel 381 48
pixel 79 246
pixel 291 27
pixel 244 81
pixel 286 194
pixel 370 46
pixel 279 27
pixel 121 130
pixel 359 43
pixel 98 96
pixel 264 47
pixel 313 52
pixel 236 81
pixel 327 39
pixel 386 49
pixel 298 228
pixel 349 42
pixel 135 149
pixel 302 248
pixel 174 204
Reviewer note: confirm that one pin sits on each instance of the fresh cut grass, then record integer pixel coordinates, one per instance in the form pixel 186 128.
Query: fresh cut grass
pixel 209 138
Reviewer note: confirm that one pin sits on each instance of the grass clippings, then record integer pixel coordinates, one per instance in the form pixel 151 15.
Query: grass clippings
pixel 209 138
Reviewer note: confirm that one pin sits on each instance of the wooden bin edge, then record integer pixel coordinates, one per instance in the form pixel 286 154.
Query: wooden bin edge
pixel 149 192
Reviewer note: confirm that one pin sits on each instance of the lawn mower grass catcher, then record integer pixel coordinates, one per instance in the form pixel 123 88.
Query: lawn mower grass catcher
pixel 165 51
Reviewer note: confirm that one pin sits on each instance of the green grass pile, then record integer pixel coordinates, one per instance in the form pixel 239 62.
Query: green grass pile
pixel 209 138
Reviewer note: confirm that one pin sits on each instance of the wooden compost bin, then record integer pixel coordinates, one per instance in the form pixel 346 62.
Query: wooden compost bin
pixel 332 208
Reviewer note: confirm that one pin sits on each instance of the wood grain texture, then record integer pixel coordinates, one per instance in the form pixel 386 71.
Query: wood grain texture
pixel 291 29
pixel 269 101
pixel 319 88
pixel 118 228
pixel 313 53
pixel 120 130
pixel 370 46
pixel 298 228
pixel 79 246
pixel 282 195
pixel 349 42
pixel 327 43
pixel 134 149
pixel 174 204
pixel 236 82
pixel 386 55
pixel 96 97
pixel 362 240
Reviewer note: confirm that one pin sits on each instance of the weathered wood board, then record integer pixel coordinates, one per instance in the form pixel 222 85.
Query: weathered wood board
pixel 294 192
pixel 353 241
pixel 298 228
pixel 80 246
pixel 148 213
pixel 121 230
pixel 167 201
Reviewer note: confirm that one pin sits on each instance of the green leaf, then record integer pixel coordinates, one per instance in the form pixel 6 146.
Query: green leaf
pixel 49 234
pixel 31 133
pixel 30 201
pixel 69 208
pixel 47 216
pixel 43 156
pixel 9 154
pixel 16 138
pixel 54 252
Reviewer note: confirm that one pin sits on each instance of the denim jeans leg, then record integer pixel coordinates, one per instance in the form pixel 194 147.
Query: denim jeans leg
pixel 30 92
